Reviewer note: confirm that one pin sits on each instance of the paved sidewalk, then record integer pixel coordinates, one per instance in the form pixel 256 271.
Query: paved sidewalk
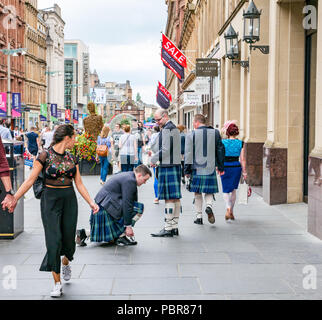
pixel 261 255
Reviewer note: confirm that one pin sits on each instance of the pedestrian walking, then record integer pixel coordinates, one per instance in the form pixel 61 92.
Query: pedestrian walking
pixel 183 140
pixel 138 132
pixel 153 139
pixel 116 135
pixel 128 150
pixel 5 133
pixel 104 144
pixel 59 208
pixel 235 166
pixel 167 154
pixel 204 144
pixel 119 209
pixel 47 137
pixel 33 143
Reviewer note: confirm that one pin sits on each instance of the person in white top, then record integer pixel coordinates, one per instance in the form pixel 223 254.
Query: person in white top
pixel 47 136
pixel 128 150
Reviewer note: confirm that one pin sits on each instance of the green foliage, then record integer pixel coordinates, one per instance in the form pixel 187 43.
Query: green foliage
pixel 125 121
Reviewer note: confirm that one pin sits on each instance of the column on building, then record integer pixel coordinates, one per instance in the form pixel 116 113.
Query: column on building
pixel 315 161
pixel 283 150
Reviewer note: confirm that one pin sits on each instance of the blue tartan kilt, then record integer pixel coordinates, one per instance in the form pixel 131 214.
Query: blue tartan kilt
pixel 230 180
pixel 169 183
pixel 104 228
pixel 204 184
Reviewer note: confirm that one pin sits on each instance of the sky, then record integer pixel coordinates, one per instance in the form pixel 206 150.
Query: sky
pixel 123 37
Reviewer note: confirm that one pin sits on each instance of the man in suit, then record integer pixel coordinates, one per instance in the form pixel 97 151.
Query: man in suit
pixel 204 152
pixel 167 152
pixel 119 209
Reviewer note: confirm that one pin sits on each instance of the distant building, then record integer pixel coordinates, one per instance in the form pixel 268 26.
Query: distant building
pixel 94 79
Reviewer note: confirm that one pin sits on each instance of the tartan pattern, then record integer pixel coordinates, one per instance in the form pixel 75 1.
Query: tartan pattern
pixel 104 228
pixel 169 183
pixel 204 184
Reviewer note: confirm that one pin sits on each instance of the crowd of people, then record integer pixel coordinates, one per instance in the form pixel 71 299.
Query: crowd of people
pixel 177 158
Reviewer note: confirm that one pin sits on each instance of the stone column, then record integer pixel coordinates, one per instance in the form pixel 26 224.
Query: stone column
pixel 315 161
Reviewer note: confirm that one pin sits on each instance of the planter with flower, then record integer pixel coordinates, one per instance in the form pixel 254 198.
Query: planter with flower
pixel 85 150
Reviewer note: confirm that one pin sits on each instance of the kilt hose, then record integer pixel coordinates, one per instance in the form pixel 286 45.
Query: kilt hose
pixel 104 228
pixel 203 183
pixel 169 183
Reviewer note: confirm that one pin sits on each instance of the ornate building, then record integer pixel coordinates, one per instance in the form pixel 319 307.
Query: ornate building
pixel 129 107
pixel 12 31
pixel 35 62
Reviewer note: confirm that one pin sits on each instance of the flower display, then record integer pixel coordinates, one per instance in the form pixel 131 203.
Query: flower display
pixel 85 147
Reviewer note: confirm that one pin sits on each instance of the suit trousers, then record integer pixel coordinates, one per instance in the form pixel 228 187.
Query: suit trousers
pixel 59 212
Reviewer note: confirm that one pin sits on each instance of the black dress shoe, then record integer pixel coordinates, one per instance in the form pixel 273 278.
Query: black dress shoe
pixel 81 237
pixel 211 217
pixel 125 241
pixel 163 233
pixel 198 221
pixel 175 232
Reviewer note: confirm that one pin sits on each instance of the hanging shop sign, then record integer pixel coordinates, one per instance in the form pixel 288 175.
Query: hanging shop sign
pixel 206 68
pixel 163 97
pixel 16 105
pixel 202 85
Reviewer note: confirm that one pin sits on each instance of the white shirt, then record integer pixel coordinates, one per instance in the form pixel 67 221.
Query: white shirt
pixel 127 142
pixel 48 137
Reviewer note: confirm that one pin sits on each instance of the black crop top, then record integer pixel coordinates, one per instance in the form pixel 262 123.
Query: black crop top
pixel 60 168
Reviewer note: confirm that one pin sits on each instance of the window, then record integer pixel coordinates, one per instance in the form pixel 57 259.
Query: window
pixel 70 51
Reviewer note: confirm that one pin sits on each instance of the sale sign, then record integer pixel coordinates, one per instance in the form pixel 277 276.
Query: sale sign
pixel 173 58
pixel 163 97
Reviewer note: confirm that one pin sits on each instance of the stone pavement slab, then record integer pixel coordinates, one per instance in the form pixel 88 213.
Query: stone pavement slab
pixel 261 255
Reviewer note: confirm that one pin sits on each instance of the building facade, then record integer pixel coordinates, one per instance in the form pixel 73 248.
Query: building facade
pixel 274 99
pixel 77 76
pixel 55 56
pixel 12 35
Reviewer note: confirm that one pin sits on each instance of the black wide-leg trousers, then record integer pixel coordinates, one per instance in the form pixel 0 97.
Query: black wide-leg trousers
pixel 59 211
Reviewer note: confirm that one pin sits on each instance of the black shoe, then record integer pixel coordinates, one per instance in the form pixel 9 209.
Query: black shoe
pixel 163 233
pixel 175 232
pixel 81 237
pixel 211 217
pixel 183 181
pixel 125 241
pixel 198 221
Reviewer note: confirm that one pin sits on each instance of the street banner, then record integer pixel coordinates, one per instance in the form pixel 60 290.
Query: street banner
pixel 59 114
pixel 163 97
pixel 16 105
pixel 53 112
pixel 173 58
pixel 3 104
pixel 75 116
pixel 67 116
pixel 43 112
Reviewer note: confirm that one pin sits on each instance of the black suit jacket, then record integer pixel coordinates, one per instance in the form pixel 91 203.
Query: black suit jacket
pixel 117 196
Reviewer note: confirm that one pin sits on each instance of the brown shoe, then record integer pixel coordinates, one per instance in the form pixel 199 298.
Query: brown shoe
pixel 227 215
pixel 231 215
pixel 211 217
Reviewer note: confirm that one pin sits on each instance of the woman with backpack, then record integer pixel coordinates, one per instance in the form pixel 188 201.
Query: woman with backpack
pixel 104 144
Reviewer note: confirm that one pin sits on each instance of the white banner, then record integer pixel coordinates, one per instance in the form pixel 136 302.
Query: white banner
pixel 98 95
pixel 192 99
pixel 202 86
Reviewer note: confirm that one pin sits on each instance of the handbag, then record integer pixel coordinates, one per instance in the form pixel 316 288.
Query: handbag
pixel 243 192
pixel 39 184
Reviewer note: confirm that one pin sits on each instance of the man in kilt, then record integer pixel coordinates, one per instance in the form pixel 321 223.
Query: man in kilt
pixel 204 151
pixel 119 209
pixel 167 152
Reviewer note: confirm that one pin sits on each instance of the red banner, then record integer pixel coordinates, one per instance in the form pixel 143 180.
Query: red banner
pixel 67 116
pixel 165 91
pixel 173 51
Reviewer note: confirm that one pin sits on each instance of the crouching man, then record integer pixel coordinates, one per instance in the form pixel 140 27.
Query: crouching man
pixel 119 209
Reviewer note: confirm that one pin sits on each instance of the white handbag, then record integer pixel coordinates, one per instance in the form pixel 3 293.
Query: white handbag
pixel 116 168
pixel 243 192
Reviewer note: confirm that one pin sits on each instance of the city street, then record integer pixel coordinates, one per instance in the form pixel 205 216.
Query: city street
pixel 261 255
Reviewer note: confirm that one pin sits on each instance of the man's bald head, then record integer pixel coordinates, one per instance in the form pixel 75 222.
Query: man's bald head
pixel 161 117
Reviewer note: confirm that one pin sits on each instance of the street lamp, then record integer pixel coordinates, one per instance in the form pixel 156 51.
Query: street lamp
pixel 252 27
pixel 15 53
pixel 232 48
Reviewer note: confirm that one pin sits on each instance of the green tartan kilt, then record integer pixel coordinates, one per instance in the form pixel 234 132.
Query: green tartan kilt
pixel 169 183
pixel 204 184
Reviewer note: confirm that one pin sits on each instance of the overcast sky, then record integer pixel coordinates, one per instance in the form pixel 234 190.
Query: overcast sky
pixel 123 38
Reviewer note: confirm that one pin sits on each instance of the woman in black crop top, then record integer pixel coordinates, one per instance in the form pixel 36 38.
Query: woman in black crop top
pixel 58 203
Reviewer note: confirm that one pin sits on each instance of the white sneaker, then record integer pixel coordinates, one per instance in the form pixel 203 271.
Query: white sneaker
pixel 57 291
pixel 67 272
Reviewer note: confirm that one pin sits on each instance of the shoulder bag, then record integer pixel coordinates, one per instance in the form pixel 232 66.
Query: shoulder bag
pixel 39 184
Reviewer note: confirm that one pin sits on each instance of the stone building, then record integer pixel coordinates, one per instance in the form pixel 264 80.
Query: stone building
pixel 55 56
pixel 274 99
pixel 35 63
pixel 94 79
pixel 129 107
pixel 12 32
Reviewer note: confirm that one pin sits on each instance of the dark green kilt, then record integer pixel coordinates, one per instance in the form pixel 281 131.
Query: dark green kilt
pixel 204 184
pixel 169 183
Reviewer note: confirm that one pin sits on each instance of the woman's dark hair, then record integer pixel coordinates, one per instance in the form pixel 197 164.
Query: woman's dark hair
pixel 156 128
pixel 232 131
pixel 64 130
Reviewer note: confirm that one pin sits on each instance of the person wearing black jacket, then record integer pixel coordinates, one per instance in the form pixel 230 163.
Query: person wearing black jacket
pixel 119 209
pixel 204 152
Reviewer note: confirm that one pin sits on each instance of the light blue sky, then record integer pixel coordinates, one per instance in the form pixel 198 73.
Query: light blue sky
pixel 123 37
